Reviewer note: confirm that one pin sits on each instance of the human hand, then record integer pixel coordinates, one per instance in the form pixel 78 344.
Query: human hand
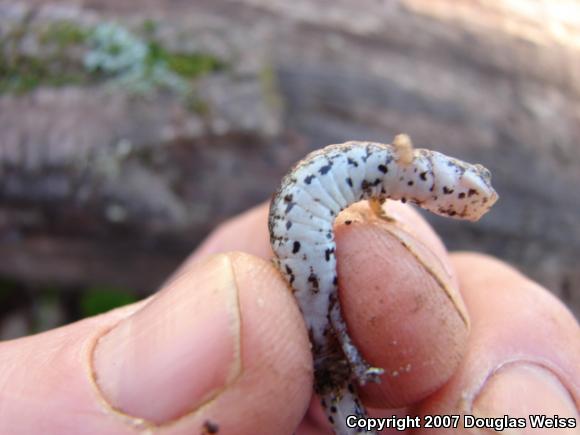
pixel 222 347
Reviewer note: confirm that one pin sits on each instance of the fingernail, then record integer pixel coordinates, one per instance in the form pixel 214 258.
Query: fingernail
pixel 395 223
pixel 522 389
pixel 432 264
pixel 179 351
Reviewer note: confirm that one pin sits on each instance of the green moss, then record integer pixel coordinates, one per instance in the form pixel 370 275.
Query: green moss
pixel 149 28
pixel 58 62
pixel 186 65
pixel 64 34
pixel 22 73
pixel 100 299
pixel 155 53
pixel 192 65
pixel 25 73
pixel 270 90
pixel 196 105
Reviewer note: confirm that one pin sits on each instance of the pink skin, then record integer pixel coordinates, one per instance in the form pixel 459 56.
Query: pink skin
pixel 224 343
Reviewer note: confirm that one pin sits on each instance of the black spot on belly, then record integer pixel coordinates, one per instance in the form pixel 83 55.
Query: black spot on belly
pixel 288 224
pixel 324 170
pixel 347 222
pixel 447 190
pixel 472 192
pixel 383 169
pixel 289 204
pixel 313 280
pixel 349 181
pixel 410 183
pixel 295 247
pixel 461 195
pixel 328 253
pixel 352 162
pixel 423 176
pixel 290 273
pixel 309 179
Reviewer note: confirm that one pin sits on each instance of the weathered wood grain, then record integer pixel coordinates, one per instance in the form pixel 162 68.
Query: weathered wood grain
pixel 484 81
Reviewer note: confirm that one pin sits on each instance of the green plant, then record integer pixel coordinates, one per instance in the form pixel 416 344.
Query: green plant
pixel 64 34
pixel 109 52
pixel 99 299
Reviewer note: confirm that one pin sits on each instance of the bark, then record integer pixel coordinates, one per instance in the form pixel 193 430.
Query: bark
pixel 103 186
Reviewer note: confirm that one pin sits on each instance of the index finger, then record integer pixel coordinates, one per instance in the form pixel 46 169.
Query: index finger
pixel 397 291
pixel 401 301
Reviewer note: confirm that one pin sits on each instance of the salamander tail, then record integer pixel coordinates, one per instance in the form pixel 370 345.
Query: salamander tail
pixel 344 410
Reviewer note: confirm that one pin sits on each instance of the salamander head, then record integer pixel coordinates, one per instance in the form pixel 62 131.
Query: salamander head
pixel 460 190
pixel 474 192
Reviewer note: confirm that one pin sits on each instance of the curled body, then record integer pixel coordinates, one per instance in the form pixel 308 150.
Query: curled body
pixel 302 215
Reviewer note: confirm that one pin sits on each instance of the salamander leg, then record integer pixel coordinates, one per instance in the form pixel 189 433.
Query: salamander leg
pixel 378 209
pixel 361 369
pixel 403 149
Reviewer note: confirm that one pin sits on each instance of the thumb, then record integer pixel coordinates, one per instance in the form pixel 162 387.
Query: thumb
pixel 221 347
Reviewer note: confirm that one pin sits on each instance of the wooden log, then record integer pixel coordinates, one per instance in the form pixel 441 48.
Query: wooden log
pixel 486 81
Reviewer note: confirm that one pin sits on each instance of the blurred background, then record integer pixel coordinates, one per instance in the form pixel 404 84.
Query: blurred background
pixel 128 132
